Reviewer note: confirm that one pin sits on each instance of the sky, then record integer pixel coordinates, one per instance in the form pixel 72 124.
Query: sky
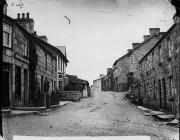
pixel 100 31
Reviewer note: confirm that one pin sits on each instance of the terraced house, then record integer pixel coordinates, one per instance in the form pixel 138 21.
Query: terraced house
pixel 121 69
pixel 30 65
pixel 138 52
pixel 160 73
pixel 15 64
pixel 47 65
pixel 107 81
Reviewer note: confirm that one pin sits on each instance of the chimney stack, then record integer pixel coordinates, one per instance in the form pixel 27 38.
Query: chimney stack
pixel 154 31
pixel 134 45
pixel 43 37
pixel 146 37
pixel 27 15
pixel 23 15
pixel 109 70
pixel 5 8
pixel 129 50
pixel 18 16
pixel 176 19
pixel 26 22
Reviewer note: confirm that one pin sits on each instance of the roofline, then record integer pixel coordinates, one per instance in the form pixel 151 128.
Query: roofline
pixel 166 33
pixel 120 59
pixel 38 39
pixel 100 78
pixel 53 47
pixel 148 40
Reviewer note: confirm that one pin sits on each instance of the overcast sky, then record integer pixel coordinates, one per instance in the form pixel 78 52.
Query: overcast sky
pixel 100 31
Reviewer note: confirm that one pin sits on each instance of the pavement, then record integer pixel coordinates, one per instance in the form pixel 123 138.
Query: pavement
pixel 103 114
pixel 31 111
pixel 169 119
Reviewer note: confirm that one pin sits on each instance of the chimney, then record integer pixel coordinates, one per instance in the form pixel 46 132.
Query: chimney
pixel 18 16
pixel 129 50
pixel 109 70
pixel 27 23
pixel 134 45
pixel 146 37
pixel 154 31
pixel 43 37
pixel 23 15
pixel 176 19
pixel 5 8
pixel 101 75
pixel 27 15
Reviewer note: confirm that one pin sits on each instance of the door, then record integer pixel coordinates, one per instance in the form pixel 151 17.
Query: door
pixel 5 89
pixel 164 91
pixel 26 87
pixel 18 86
pixel 160 96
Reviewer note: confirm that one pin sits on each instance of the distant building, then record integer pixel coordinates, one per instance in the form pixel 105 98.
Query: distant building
pixel 61 67
pixel 97 84
pixel 121 69
pixel 159 73
pixel 107 81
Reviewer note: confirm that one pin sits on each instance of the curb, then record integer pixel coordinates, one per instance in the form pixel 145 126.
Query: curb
pixel 38 112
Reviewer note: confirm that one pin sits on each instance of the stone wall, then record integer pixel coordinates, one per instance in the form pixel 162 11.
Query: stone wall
pixel 139 53
pixel 159 74
pixel 122 69
pixel 70 95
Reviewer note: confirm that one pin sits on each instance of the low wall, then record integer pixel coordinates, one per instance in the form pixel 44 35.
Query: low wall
pixel 70 95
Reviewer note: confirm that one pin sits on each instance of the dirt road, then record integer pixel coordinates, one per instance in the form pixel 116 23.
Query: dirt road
pixel 104 114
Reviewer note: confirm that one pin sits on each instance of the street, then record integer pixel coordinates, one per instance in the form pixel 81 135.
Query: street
pixel 103 114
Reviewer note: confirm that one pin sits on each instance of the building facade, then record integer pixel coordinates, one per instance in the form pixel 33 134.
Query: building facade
pixel 15 64
pixel 61 68
pixel 159 73
pixel 137 54
pixel 121 67
pixel 97 84
pixel 107 81
pixel 47 65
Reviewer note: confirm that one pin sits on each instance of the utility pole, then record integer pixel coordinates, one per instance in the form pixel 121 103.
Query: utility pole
pixel 2 4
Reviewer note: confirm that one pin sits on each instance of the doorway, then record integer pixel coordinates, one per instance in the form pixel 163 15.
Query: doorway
pixel 18 86
pixel 160 92
pixel 5 89
pixel 164 89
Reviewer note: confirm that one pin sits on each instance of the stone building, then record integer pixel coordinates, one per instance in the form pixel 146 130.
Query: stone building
pixel 97 84
pixel 61 67
pixel 121 69
pixel 138 52
pixel 47 65
pixel 159 73
pixel 15 64
pixel 107 81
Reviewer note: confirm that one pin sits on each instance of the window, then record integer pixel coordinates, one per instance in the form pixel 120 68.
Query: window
pixel 170 47
pixel 59 63
pixel 60 76
pixel 6 35
pixel 152 60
